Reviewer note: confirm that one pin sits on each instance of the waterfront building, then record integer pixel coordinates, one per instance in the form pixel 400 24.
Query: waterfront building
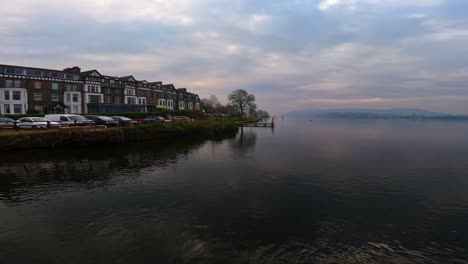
pixel 37 90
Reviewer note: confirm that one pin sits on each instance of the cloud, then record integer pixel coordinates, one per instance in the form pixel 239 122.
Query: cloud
pixel 326 5
pixel 290 54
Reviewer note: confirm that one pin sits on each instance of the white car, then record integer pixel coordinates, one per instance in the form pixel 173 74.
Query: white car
pixel 70 120
pixel 36 123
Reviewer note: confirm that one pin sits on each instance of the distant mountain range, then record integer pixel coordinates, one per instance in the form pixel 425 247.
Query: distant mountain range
pixel 375 113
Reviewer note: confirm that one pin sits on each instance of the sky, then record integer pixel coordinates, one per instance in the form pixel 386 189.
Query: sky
pixel 291 54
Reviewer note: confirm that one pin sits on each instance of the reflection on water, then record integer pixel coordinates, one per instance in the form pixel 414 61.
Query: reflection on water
pixel 307 192
pixel 245 142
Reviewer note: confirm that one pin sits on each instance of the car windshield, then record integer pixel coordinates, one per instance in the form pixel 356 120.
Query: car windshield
pixel 77 118
pixel 6 120
pixel 106 118
pixel 39 119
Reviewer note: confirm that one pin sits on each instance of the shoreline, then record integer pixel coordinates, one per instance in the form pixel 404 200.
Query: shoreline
pixel 79 137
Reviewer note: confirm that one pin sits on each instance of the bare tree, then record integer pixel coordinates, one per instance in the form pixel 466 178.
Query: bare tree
pixel 242 101
pixel 210 104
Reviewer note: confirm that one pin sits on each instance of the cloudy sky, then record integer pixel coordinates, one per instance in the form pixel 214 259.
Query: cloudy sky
pixel 292 54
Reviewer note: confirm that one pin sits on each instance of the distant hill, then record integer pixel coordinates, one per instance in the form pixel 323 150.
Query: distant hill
pixel 374 113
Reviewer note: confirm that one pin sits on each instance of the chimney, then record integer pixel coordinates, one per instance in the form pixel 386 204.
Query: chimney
pixel 74 70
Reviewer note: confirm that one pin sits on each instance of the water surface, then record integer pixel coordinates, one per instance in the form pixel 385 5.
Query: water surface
pixel 321 191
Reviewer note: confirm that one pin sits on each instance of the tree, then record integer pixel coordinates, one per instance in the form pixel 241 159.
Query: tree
pixel 210 104
pixel 261 114
pixel 242 101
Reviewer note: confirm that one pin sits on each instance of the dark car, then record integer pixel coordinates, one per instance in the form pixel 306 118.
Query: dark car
pixel 124 121
pixel 6 122
pixel 154 119
pixel 102 120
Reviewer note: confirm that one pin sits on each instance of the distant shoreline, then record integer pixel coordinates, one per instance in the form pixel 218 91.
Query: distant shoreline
pixel 377 116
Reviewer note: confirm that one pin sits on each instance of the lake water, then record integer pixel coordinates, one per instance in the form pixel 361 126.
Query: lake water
pixel 321 191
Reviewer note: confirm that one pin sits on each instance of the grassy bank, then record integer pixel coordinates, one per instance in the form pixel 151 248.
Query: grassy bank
pixel 72 137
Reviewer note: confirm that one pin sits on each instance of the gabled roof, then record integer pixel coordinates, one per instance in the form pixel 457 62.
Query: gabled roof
pixel 128 78
pixel 93 73
pixel 144 82
pixel 182 90
pixel 171 86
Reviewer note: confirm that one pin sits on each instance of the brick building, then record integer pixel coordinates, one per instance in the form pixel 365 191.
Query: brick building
pixel 27 89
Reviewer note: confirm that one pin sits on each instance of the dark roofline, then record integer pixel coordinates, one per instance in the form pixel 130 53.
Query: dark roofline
pixel 33 68
pixel 91 71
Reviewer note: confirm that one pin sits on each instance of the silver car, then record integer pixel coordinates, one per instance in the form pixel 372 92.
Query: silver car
pixel 36 123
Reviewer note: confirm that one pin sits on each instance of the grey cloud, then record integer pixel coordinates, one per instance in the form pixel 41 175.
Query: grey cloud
pixel 288 53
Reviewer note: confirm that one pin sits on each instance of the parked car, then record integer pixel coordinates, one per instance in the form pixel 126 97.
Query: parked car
pixel 181 118
pixel 154 119
pixel 102 120
pixel 36 123
pixel 6 122
pixel 124 121
pixel 70 120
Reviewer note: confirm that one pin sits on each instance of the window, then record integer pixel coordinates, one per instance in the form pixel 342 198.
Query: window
pixel 19 71
pixel 37 96
pixel 9 83
pixel 94 99
pixel 37 85
pixel 17 108
pixel 161 102
pixel 75 87
pixel 68 76
pixel 55 86
pixel 68 87
pixel 16 95
pixel 131 92
pixel 75 109
pixel 67 98
pixel 117 100
pixel 6 109
pixel 112 81
pixel 38 108
pixel 17 83
pixel 131 100
pixel 108 99
pixel 93 89
pixel 7 95
pixel 75 98
pixel 76 77
pixel 107 90
pixel 55 97
pixel 10 71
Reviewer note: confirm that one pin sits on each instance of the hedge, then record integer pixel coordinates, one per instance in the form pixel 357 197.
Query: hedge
pixel 11 139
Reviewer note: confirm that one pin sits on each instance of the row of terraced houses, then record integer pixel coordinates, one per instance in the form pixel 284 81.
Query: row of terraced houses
pixel 73 91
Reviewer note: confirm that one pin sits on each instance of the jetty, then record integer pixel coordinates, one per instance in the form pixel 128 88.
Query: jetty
pixel 263 124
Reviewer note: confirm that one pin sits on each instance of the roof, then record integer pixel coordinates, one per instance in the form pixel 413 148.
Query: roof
pixel 129 78
pixel 91 73
pixel 26 67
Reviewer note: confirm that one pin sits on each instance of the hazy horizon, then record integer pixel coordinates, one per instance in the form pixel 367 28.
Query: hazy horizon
pixel 293 55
